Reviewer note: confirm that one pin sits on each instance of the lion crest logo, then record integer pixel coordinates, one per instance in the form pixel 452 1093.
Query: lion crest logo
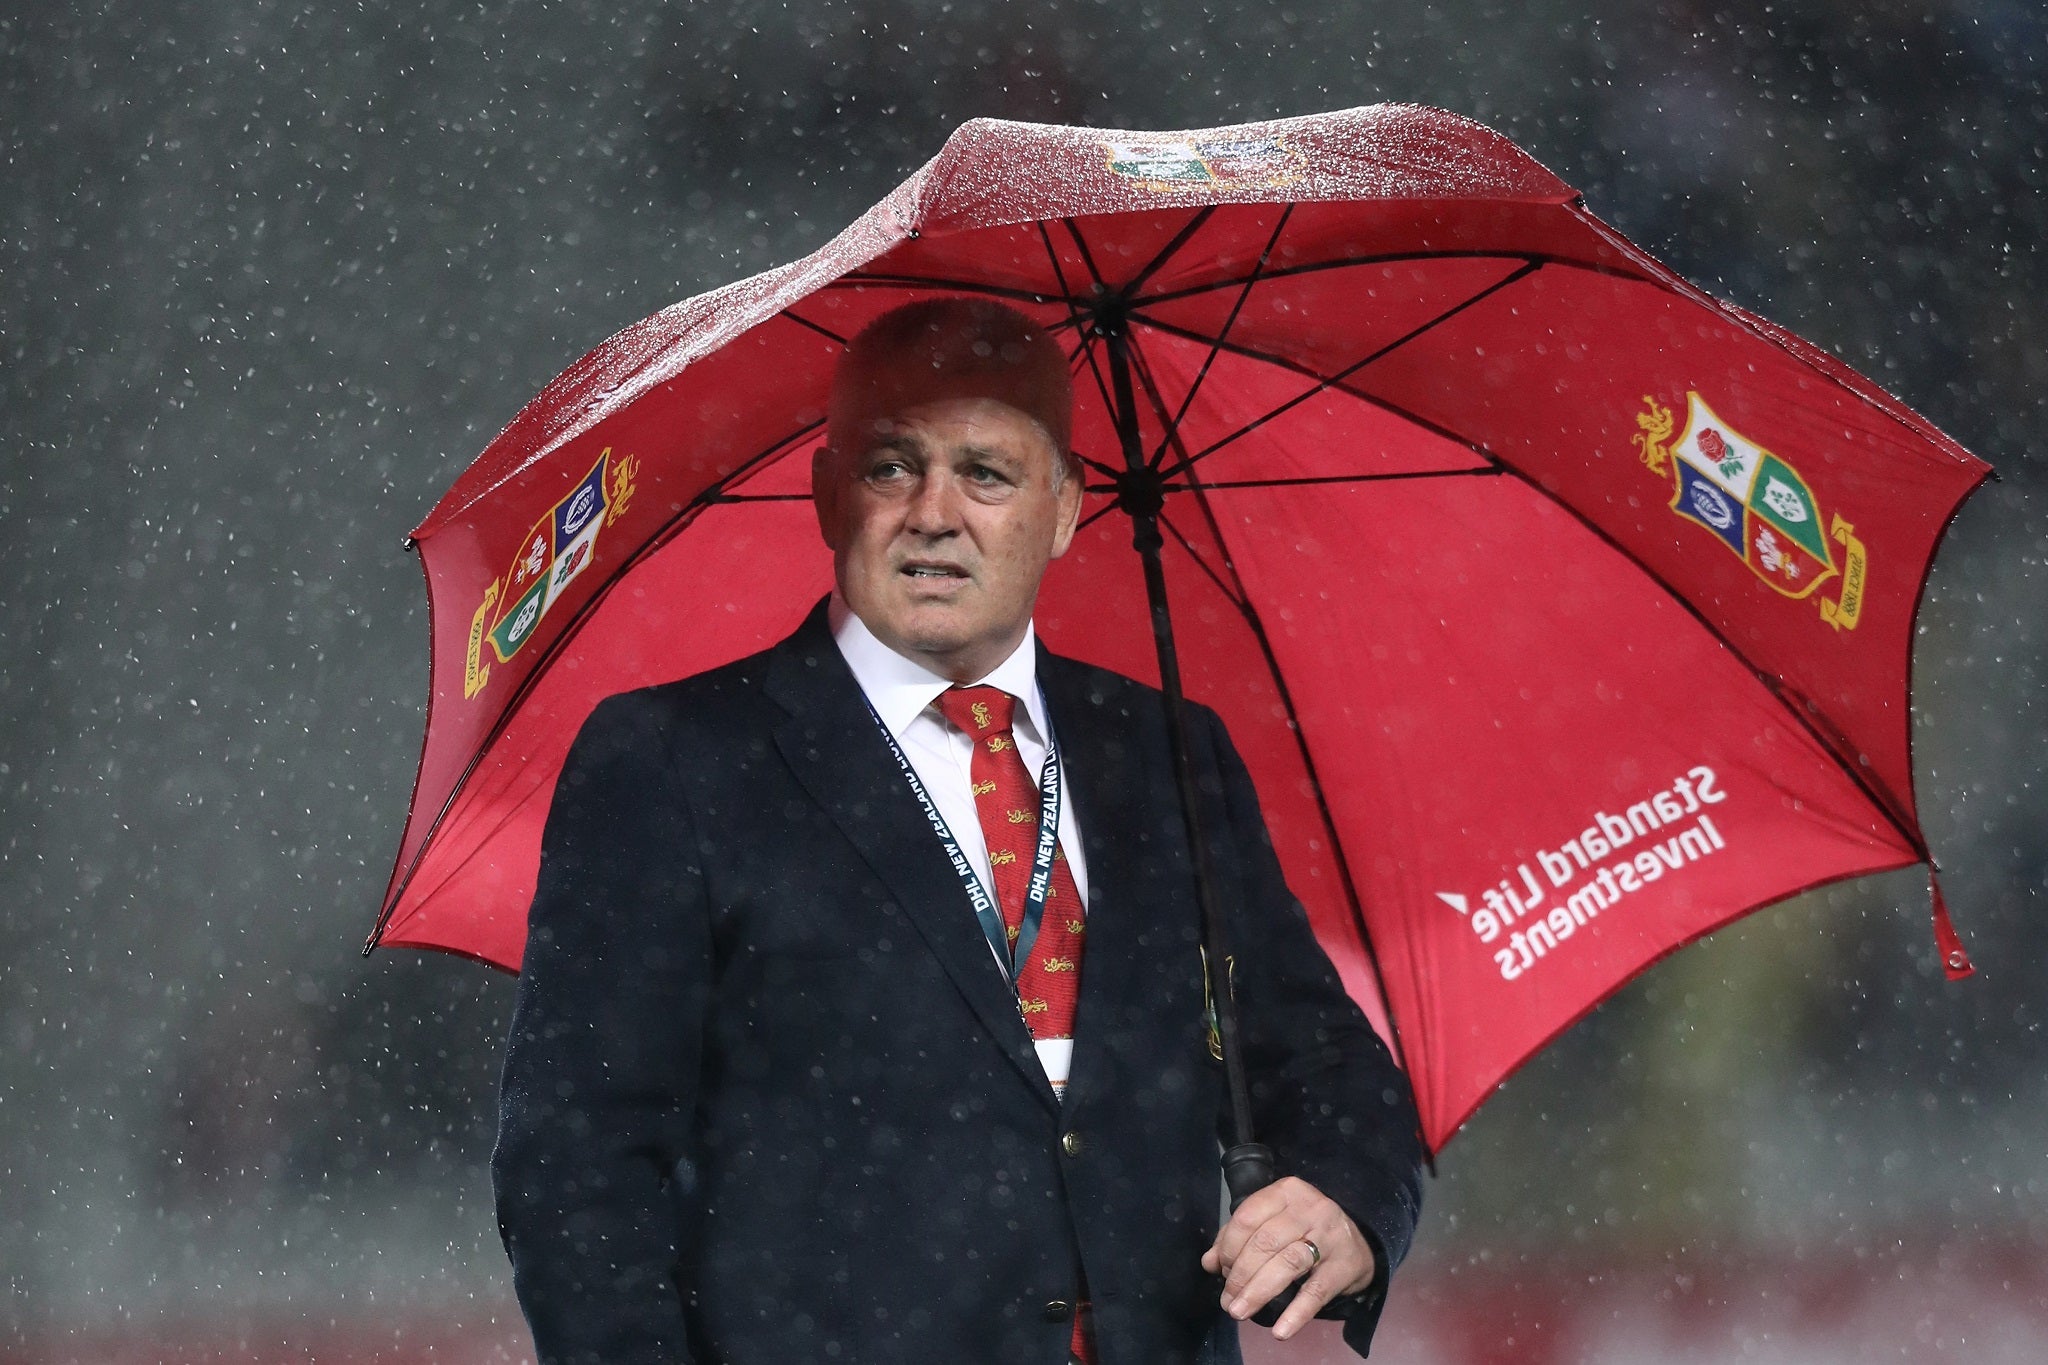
pixel 1755 504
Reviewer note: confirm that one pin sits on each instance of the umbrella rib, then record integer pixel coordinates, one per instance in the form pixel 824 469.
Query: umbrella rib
pixel 1087 256
pixel 819 328
pixel 1059 272
pixel 1150 384
pixel 1257 626
pixel 1394 257
pixel 1305 481
pixel 1107 470
pixel 1101 383
pixel 1386 405
pixel 1216 348
pixel 1195 486
pixel 750 464
pixel 1474 471
pixel 1234 596
pixel 1528 268
pixel 1167 252
pixel 1332 382
pixel 1761 328
pixel 1085 336
pixel 857 280
pixel 1102 390
pixel 1097 515
pixel 1157 398
pixel 1084 350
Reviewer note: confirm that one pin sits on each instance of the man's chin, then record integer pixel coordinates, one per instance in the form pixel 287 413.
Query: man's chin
pixel 943 640
pixel 932 640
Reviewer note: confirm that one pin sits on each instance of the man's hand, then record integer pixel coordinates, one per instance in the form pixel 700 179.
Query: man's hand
pixel 1266 1246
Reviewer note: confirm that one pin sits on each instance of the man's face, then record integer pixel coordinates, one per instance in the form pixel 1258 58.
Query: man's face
pixel 942 525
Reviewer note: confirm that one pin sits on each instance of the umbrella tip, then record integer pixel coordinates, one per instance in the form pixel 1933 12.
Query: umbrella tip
pixel 1955 962
pixel 411 544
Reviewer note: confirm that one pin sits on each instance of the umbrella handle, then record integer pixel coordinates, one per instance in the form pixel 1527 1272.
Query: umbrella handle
pixel 1247 1169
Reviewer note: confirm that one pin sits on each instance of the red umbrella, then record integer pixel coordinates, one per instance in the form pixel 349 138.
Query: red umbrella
pixel 1561 612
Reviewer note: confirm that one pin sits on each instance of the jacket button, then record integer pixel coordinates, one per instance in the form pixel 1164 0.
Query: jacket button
pixel 1059 1310
pixel 1071 1144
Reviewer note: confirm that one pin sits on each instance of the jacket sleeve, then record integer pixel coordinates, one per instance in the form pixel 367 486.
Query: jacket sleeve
pixel 602 1062
pixel 1326 1095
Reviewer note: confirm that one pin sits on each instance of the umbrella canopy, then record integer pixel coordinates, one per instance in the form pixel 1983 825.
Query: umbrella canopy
pixel 1562 613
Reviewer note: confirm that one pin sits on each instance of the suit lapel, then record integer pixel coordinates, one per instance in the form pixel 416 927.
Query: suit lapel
pixel 836 750
pixel 1129 914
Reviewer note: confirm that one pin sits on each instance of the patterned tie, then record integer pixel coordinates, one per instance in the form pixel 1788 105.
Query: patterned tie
pixel 1007 800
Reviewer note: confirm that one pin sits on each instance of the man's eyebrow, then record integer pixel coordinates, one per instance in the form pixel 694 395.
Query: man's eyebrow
pixel 992 454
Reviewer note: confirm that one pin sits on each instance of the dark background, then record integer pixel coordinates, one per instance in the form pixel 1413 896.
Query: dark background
pixel 271 274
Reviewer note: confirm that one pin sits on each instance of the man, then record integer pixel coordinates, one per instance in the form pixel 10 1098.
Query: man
pixel 804 1067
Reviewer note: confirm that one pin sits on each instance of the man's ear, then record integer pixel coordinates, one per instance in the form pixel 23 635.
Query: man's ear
pixel 1069 508
pixel 825 495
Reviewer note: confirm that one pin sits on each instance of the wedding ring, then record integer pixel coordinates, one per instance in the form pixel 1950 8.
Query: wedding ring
pixel 1315 1253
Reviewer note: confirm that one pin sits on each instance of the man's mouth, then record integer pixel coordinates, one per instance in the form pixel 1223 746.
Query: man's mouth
pixel 934 571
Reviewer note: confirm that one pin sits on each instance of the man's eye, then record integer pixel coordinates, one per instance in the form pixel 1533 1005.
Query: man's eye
pixel 884 470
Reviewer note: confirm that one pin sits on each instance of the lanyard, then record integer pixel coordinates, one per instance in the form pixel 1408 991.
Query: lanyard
pixel 985 908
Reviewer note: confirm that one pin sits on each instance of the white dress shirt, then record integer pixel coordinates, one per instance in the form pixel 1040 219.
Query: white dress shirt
pixel 903 691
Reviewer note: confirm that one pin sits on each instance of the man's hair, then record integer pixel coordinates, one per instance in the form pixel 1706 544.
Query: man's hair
pixel 953 346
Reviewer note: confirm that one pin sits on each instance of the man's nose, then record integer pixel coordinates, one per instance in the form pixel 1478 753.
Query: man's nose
pixel 935 507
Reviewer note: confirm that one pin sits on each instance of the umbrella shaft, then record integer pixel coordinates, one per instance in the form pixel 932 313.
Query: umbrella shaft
pixel 1145 538
pixel 1213 932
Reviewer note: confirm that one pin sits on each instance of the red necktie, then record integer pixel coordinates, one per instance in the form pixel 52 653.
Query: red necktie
pixel 1008 802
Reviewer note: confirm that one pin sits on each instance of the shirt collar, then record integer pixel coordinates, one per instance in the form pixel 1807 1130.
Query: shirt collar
pixel 900 689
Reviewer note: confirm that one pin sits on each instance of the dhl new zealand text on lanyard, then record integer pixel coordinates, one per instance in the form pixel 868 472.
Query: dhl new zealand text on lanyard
pixel 985 908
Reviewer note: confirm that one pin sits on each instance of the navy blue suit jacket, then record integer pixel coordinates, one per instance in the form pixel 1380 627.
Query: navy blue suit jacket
pixel 768 1099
